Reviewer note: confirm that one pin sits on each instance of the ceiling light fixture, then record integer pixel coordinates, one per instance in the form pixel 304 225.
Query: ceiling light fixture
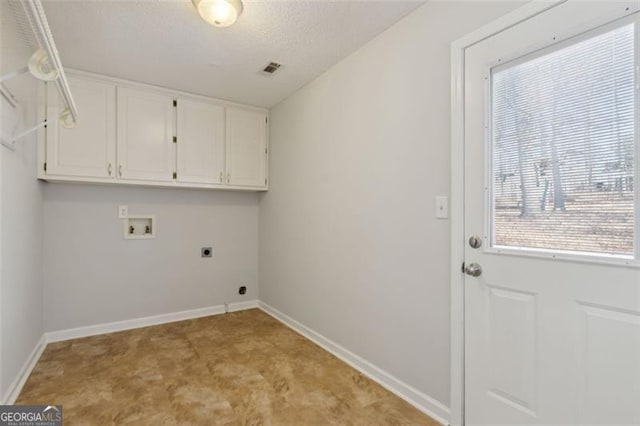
pixel 220 13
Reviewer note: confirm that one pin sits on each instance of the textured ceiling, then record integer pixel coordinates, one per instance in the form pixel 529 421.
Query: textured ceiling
pixel 166 43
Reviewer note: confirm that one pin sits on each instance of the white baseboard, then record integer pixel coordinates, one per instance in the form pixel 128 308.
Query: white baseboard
pixel 16 386
pixel 423 402
pixel 242 306
pixel 112 327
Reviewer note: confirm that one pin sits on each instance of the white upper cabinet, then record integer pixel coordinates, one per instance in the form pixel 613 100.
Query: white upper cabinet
pixel 89 149
pixel 200 142
pixel 246 147
pixel 130 133
pixel 145 135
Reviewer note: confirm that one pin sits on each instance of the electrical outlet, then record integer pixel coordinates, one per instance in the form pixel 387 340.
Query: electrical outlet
pixel 206 252
pixel 123 212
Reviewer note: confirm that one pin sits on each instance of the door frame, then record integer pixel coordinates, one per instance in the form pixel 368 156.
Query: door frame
pixel 457 232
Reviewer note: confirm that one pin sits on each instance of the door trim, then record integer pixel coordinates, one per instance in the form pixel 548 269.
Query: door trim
pixel 457 233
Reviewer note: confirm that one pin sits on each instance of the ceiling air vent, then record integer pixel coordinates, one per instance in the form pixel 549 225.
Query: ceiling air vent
pixel 271 68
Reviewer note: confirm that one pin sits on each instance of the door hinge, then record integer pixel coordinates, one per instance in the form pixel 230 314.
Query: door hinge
pixel 462 268
pixel 266 120
pixel 265 181
pixel 265 150
pixel 175 139
pixel 175 175
pixel 175 102
pixel 45 166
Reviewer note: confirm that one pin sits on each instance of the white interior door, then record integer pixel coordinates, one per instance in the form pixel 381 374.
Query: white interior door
pixel 89 148
pixel 246 145
pixel 200 142
pixel 145 135
pixel 552 323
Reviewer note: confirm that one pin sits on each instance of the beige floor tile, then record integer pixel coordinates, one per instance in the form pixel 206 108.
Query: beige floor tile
pixel 243 368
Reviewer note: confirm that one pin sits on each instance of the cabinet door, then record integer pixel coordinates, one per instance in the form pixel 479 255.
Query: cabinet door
pixel 246 147
pixel 87 150
pixel 200 147
pixel 145 135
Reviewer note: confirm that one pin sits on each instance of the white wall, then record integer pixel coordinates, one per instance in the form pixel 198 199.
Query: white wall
pixel 349 243
pixel 21 220
pixel 92 275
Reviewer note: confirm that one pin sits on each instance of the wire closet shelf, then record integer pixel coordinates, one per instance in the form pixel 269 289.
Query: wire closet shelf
pixel 44 64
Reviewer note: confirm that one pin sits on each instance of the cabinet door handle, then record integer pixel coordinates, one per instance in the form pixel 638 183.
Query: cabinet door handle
pixel 109 169
pixel 228 177
pixel 221 177
pixel 120 170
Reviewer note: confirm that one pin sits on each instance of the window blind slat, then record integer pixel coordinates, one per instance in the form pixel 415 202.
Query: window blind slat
pixel 563 131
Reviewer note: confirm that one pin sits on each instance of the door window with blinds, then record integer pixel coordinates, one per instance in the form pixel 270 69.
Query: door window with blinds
pixel 563 131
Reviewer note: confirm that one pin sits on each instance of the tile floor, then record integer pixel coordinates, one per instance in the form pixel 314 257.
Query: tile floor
pixel 243 368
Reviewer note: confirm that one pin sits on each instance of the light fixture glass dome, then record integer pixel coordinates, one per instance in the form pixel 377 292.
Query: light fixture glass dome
pixel 220 13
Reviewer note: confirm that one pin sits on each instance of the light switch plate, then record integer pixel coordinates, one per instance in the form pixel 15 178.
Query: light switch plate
pixel 442 207
pixel 123 212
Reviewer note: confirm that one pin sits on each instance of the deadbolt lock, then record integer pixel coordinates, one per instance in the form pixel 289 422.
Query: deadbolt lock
pixel 475 242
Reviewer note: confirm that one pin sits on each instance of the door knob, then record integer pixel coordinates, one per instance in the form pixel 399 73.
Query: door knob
pixel 473 269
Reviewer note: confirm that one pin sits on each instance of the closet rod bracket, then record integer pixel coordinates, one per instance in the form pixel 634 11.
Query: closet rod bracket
pixel 66 121
pixel 39 65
